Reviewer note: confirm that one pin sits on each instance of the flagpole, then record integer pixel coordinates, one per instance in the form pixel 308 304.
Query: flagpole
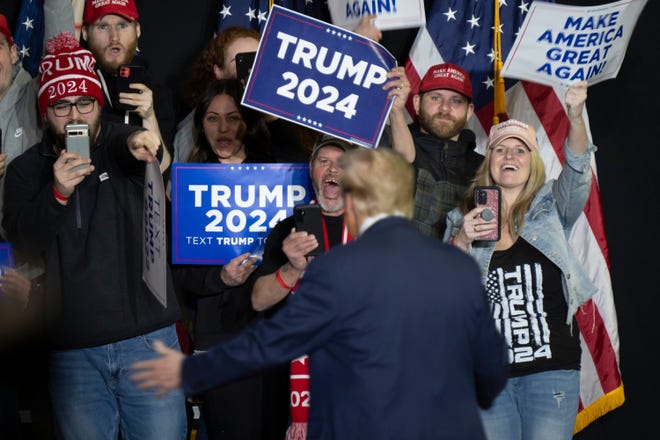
pixel 499 98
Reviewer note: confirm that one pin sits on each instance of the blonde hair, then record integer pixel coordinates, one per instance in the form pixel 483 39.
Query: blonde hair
pixel 380 181
pixel 513 215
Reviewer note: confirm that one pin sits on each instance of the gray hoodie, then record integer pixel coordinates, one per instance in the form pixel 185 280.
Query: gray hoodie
pixel 20 121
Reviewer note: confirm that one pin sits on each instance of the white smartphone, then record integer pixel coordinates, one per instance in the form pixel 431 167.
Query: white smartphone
pixel 77 140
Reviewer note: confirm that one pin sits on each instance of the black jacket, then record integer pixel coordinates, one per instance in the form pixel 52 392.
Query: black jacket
pixel 92 250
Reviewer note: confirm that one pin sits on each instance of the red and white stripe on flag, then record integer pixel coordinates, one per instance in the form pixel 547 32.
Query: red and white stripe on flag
pixel 601 387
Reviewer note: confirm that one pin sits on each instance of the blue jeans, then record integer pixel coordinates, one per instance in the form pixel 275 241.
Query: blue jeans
pixel 93 396
pixel 541 406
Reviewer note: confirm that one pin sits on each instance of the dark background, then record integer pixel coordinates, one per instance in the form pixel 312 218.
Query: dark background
pixel 622 114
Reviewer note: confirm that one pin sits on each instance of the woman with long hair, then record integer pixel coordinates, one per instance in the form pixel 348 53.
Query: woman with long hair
pixel 226 132
pixel 533 281
pixel 285 141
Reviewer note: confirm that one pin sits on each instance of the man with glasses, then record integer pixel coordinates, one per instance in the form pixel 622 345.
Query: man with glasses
pixel 441 149
pixel 111 30
pixel 87 225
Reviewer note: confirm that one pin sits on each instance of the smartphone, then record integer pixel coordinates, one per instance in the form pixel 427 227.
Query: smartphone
pixel 77 140
pixel 128 74
pixel 244 62
pixel 308 218
pixel 489 196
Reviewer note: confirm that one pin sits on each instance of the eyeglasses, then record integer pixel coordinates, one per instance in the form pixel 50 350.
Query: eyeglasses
pixel 515 151
pixel 63 108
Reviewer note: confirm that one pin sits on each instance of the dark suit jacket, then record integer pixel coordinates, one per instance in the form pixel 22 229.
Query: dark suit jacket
pixel 399 335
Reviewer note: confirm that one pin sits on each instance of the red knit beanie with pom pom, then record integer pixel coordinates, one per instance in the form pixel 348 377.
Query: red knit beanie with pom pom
pixel 67 71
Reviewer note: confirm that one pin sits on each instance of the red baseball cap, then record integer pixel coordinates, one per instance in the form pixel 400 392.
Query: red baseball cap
pixel 95 9
pixel 447 76
pixel 4 29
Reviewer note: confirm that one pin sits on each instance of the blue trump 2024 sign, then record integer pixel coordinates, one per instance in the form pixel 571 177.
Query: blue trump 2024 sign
pixel 320 76
pixel 220 211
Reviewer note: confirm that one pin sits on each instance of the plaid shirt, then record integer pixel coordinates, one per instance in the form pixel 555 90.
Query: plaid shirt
pixel 444 169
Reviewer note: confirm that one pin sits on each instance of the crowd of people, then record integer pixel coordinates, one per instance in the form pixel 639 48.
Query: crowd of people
pixel 408 325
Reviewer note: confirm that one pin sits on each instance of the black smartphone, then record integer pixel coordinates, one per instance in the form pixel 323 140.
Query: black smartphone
pixel 244 62
pixel 489 196
pixel 128 74
pixel 308 218
pixel 77 141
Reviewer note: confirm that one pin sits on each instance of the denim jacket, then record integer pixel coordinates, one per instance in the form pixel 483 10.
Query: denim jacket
pixel 547 227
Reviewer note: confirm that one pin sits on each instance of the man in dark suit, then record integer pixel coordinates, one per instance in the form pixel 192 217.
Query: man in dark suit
pixel 396 325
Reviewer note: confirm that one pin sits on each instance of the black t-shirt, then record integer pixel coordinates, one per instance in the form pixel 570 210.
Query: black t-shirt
pixel 525 291
pixel 334 226
pixel 274 257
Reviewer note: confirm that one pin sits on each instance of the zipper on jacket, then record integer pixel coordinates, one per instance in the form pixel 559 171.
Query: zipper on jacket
pixel 78 214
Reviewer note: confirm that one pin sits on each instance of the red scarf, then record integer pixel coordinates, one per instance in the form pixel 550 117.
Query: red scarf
pixel 299 388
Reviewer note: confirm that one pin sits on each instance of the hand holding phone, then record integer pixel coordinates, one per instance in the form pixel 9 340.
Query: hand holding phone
pixel 489 198
pixel 244 62
pixel 128 74
pixel 308 218
pixel 77 141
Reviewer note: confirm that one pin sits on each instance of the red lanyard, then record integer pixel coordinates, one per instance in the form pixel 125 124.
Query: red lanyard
pixel 345 237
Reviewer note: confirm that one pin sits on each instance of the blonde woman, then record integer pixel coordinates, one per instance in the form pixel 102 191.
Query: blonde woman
pixel 533 282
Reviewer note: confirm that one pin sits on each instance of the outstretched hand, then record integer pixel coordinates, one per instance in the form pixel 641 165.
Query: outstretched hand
pixel 577 139
pixel 162 374
pixel 144 145
pixel 576 96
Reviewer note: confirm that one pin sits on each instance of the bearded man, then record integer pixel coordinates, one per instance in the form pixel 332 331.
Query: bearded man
pixel 86 224
pixel 111 31
pixel 438 145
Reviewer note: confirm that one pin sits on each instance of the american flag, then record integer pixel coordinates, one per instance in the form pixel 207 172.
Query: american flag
pixel 30 34
pixel 254 13
pixel 461 31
